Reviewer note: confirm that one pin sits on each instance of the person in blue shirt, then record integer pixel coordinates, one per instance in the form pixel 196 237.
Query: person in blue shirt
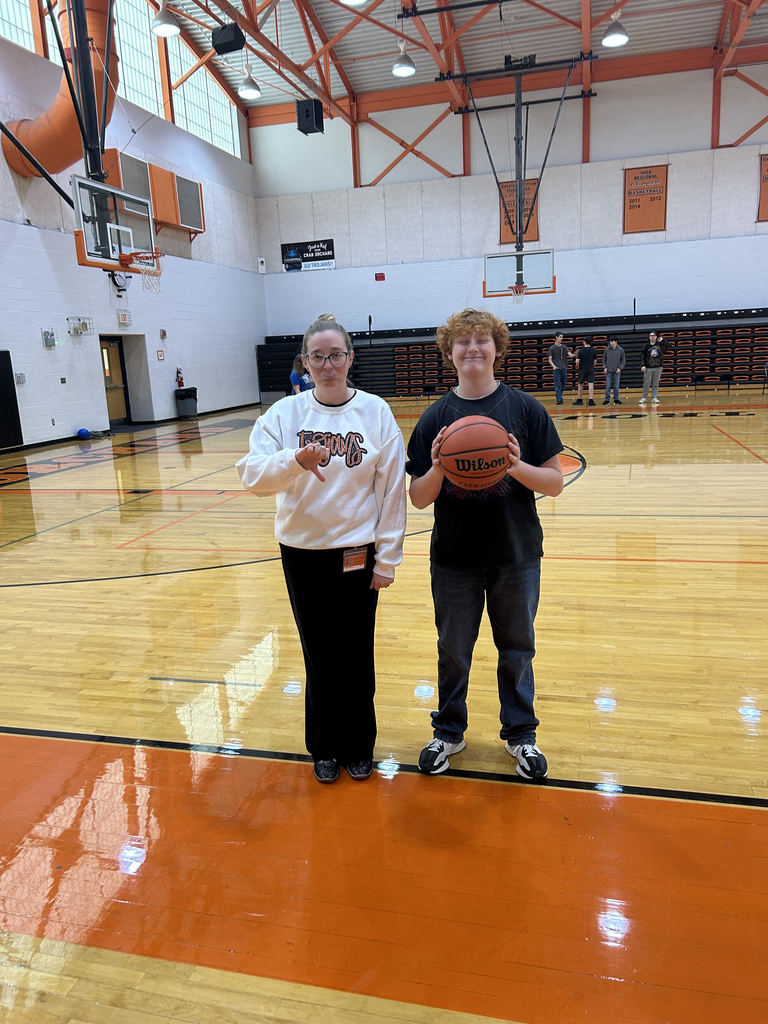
pixel 300 379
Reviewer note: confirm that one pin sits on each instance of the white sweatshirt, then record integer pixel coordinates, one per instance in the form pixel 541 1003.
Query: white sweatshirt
pixel 363 497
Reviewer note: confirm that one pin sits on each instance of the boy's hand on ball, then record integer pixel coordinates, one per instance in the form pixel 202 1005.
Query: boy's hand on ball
pixel 514 453
pixel 436 449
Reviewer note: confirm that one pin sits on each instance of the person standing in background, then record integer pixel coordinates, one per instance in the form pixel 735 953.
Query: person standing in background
pixel 558 357
pixel 614 361
pixel 585 369
pixel 652 359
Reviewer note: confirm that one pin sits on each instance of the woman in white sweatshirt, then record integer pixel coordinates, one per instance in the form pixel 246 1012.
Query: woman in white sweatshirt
pixel 335 459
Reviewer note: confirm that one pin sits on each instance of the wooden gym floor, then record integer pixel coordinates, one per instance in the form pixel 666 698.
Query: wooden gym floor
pixel 166 855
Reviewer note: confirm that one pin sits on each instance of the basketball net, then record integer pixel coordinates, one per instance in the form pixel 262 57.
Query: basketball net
pixel 148 265
pixel 518 293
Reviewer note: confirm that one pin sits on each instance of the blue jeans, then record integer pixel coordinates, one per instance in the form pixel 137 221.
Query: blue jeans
pixel 612 383
pixel 561 382
pixel 511 593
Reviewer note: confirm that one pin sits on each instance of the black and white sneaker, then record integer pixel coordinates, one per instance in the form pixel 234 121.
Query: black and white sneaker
pixel 360 770
pixel 326 771
pixel 531 763
pixel 434 757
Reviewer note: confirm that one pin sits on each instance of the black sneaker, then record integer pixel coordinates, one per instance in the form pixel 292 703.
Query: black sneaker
pixel 606 402
pixel 359 770
pixel 434 757
pixel 617 402
pixel 591 401
pixel 559 401
pixel 326 771
pixel 531 763
pixel 578 402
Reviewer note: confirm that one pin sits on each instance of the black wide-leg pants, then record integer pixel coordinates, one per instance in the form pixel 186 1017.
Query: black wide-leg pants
pixel 335 613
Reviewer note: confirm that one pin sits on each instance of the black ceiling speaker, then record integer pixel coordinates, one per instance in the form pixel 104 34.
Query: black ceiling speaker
pixel 309 116
pixel 227 39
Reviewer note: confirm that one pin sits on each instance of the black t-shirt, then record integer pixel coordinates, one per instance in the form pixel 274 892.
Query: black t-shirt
pixel 586 357
pixel 500 525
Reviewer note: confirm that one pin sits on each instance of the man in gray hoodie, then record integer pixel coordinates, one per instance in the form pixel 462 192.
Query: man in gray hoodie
pixel 614 361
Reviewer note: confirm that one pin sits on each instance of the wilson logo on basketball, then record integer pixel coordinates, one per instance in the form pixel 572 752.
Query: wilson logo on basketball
pixel 350 448
pixel 479 465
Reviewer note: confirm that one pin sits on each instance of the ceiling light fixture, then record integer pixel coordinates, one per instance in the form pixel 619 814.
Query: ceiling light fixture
pixel 164 24
pixel 615 34
pixel 354 3
pixel 403 66
pixel 249 87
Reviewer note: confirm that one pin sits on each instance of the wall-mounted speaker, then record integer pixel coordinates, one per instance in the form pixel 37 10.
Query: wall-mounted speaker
pixel 227 38
pixel 309 116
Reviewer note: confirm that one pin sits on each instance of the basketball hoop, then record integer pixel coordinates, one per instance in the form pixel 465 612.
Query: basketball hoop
pixel 518 293
pixel 147 264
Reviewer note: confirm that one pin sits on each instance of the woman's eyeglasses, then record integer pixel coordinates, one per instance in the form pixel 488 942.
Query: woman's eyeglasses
pixel 317 359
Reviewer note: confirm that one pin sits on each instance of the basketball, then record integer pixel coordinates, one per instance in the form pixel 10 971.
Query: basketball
pixel 474 452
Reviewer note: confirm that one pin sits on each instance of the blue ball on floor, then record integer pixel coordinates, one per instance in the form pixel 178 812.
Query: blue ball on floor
pixel 83 433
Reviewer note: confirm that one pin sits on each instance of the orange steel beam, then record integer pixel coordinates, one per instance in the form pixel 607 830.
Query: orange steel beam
pixel 410 147
pixel 325 50
pixel 39 14
pixel 611 10
pixel 751 131
pixel 724 18
pixel 586 81
pixel 165 79
pixel 749 81
pixel 212 70
pixel 458 94
pixel 457 33
pixel 318 61
pixel 466 149
pixel 198 64
pixel 273 50
pixel 717 96
pixel 736 37
pixel 452 50
pixel 616 69
pixel 552 14
pixel 355 139
pixel 328 44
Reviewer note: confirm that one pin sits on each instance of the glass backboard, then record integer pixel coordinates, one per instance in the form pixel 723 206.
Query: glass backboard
pixel 110 224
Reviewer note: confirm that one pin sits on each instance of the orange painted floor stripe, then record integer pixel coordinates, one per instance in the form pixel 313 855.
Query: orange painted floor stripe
pixel 509 901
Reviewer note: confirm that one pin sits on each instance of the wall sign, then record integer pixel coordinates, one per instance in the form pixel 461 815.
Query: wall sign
pixel 762 206
pixel 645 199
pixel 308 255
pixel 506 233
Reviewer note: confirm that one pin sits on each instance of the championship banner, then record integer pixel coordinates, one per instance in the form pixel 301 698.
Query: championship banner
pixel 762 206
pixel 645 199
pixel 507 233
pixel 308 255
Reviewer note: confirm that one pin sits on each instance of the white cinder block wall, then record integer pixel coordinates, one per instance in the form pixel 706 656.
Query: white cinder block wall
pixel 427 232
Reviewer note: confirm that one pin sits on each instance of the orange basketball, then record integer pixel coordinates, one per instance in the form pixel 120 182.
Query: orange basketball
pixel 474 452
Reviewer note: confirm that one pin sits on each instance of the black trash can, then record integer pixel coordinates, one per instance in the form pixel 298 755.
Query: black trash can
pixel 186 403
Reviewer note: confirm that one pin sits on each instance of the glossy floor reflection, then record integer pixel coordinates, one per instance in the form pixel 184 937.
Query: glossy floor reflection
pixel 506 901
pixel 165 854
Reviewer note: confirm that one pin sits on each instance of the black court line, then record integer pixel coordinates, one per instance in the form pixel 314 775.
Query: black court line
pixel 390 768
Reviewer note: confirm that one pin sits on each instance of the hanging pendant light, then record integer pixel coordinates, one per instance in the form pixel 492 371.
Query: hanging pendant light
pixel 403 66
pixel 164 24
pixel 249 88
pixel 615 34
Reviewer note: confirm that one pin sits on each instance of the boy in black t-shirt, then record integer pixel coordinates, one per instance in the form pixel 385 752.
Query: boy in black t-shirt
pixel 486 545
pixel 585 368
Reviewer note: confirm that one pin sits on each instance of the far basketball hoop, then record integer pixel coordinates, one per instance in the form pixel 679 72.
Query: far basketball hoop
pixel 147 264
pixel 517 274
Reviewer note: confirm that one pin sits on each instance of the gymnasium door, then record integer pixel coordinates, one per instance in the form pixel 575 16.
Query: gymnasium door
pixel 114 381
pixel 10 423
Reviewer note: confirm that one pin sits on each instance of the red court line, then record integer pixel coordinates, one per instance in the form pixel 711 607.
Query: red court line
pixel 739 443
pixel 181 519
pixel 508 901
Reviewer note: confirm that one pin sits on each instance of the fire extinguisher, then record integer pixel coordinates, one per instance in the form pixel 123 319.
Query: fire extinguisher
pixel 179 378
